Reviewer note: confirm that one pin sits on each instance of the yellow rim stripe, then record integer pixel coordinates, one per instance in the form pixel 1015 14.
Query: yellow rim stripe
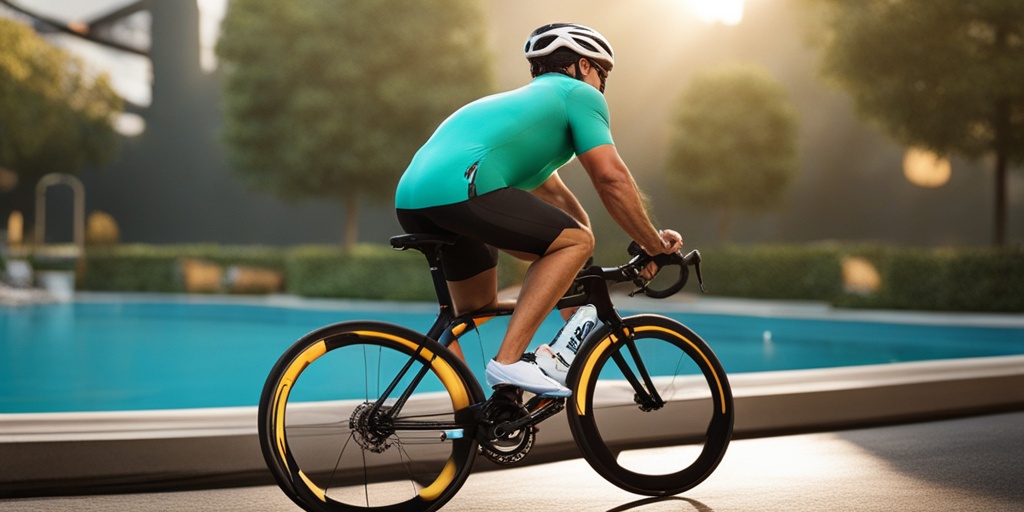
pixel 450 379
pixel 434 490
pixel 284 388
pixel 588 368
pixel 320 493
pixel 718 381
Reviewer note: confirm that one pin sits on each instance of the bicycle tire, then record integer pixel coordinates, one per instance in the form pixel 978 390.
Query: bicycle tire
pixel 328 456
pixel 693 427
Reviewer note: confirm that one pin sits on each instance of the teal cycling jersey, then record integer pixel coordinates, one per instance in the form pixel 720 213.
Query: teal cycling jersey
pixel 512 139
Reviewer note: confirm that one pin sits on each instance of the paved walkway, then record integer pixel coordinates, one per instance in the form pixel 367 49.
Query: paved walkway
pixel 962 464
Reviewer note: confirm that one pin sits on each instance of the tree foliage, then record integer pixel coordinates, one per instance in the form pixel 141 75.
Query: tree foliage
pixel 946 75
pixel 331 98
pixel 733 145
pixel 54 115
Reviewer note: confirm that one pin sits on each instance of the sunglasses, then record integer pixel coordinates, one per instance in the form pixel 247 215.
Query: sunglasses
pixel 601 73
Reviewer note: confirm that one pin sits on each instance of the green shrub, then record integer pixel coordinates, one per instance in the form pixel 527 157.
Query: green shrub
pixel 131 268
pixel 773 272
pixel 372 272
pixel 155 268
pixel 986 280
pixel 974 279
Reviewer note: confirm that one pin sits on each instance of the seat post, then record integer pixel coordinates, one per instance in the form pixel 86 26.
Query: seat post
pixel 431 246
pixel 444 296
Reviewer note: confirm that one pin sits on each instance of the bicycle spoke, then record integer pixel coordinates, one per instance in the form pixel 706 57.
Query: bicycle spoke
pixel 350 448
pixel 653 390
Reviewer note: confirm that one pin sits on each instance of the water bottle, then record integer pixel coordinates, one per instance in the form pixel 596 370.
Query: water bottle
pixel 556 357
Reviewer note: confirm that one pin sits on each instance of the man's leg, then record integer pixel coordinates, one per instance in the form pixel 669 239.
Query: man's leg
pixel 523 225
pixel 478 293
pixel 546 281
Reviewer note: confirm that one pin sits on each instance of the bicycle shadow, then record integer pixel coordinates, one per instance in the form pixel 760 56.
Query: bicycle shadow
pixel 635 505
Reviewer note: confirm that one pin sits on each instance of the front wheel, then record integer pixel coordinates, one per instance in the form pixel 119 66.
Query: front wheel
pixel 659 385
pixel 368 416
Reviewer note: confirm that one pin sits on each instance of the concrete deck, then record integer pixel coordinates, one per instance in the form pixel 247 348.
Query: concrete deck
pixel 86 453
pixel 960 464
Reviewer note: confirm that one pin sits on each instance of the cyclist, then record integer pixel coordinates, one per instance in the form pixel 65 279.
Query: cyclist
pixel 489 175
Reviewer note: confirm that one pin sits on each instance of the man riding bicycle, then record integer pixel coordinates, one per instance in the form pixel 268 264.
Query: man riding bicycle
pixel 489 175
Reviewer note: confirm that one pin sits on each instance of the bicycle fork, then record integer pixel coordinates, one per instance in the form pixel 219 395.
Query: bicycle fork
pixel 646 395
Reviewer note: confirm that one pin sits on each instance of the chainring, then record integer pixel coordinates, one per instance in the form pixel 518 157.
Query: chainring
pixel 499 443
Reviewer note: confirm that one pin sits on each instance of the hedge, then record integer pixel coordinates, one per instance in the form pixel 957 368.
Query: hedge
pixel 371 272
pixel 966 279
pixel 773 272
pixel 970 279
pixel 366 272
pixel 155 268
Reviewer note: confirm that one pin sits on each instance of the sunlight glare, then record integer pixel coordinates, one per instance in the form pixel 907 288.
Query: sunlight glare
pixel 211 13
pixel 726 12
pixel 925 168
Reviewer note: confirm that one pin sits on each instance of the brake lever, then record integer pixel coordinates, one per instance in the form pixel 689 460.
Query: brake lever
pixel 641 258
pixel 693 258
pixel 700 277
pixel 632 270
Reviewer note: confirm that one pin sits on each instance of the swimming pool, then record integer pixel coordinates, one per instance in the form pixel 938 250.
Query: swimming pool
pixel 171 353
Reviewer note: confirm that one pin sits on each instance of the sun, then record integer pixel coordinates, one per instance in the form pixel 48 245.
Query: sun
pixel 726 12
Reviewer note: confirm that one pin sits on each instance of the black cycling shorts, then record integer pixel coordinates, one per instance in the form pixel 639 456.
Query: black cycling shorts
pixel 507 218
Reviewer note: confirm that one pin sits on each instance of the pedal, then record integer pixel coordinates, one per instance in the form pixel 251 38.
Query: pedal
pixel 507 393
pixel 544 407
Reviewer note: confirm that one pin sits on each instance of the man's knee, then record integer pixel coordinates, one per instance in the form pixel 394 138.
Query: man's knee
pixel 586 240
pixel 578 239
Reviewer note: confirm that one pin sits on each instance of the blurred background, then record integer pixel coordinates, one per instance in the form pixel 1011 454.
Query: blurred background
pixel 169 179
pixel 251 122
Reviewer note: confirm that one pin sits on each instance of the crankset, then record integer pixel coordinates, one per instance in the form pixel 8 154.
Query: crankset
pixel 508 428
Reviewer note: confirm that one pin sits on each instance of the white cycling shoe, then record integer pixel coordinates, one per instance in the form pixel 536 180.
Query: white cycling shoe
pixel 526 375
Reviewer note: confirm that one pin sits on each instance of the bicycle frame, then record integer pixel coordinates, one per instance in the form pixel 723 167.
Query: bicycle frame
pixel 420 416
pixel 589 287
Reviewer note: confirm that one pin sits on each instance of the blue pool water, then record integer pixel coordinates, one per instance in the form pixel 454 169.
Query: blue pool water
pixel 113 355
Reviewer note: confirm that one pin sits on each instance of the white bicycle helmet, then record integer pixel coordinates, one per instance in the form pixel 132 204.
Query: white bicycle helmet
pixel 583 40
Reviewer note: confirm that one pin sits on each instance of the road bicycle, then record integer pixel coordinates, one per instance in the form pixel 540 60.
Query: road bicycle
pixel 367 415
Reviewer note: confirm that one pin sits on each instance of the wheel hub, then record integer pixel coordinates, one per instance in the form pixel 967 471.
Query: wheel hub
pixel 372 431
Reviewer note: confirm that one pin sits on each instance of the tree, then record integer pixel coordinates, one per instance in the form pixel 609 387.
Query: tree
pixel 331 98
pixel 945 75
pixel 54 115
pixel 733 145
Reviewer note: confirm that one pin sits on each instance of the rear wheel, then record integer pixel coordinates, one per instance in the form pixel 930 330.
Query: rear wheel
pixel 685 406
pixel 332 445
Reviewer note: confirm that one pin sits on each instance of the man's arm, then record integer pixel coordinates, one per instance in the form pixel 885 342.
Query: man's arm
pixel 621 197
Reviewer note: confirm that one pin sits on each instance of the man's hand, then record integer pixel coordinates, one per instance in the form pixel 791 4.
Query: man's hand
pixel 672 242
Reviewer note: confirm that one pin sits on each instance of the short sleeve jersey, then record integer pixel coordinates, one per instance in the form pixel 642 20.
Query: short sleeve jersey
pixel 512 139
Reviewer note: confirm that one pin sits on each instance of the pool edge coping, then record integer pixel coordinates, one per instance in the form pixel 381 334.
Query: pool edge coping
pixel 90 453
pixel 48 427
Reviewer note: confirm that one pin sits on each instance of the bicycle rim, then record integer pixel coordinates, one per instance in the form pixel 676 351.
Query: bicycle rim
pixel 331 448
pixel 651 449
